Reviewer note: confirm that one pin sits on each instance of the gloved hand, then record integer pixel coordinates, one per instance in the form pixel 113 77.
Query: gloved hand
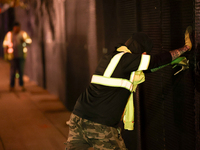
pixel 180 61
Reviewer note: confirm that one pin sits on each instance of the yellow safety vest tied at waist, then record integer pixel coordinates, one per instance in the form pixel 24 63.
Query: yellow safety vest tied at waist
pixel 136 78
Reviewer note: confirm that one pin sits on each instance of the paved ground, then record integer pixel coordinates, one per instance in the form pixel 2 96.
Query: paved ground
pixel 30 120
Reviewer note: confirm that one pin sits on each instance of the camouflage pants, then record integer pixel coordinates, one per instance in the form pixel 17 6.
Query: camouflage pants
pixel 84 134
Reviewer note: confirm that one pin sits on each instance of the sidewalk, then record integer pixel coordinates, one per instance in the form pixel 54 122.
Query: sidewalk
pixel 30 120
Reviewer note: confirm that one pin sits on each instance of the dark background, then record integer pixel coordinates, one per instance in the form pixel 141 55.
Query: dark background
pixel 69 38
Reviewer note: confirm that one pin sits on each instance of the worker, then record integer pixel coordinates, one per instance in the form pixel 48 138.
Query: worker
pixel 98 111
pixel 15 51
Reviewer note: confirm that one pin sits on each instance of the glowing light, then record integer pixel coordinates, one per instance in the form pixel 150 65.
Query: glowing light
pixel 10 44
pixel 24 44
pixel 10 50
pixel 28 41
pixel 17 75
pixel 25 50
pixel 7 44
pixel 25 35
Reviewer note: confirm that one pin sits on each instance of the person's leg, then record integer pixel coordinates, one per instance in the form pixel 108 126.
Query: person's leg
pixel 12 74
pixel 21 72
pixel 76 138
pixel 104 138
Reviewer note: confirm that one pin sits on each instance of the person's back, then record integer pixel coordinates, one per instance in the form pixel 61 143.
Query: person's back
pixel 105 104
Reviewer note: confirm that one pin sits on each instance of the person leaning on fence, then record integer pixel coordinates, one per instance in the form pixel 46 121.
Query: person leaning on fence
pixel 15 51
pixel 98 110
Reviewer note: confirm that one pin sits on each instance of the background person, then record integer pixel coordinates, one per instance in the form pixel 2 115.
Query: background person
pixel 15 51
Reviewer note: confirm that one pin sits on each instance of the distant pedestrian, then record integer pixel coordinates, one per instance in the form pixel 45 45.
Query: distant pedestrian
pixel 15 51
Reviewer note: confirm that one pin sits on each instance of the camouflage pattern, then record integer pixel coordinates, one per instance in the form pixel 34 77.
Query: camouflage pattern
pixel 84 134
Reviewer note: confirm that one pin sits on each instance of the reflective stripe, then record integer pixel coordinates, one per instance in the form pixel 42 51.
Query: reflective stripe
pixel 113 82
pixel 29 41
pixel 107 80
pixel 26 37
pixel 132 76
pixel 24 34
pixel 9 40
pixel 112 65
pixel 10 50
pixel 25 50
pixel 144 63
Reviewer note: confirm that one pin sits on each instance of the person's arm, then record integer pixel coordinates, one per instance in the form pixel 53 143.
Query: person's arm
pixel 177 61
pixel 26 38
pixel 158 68
pixel 160 61
pixel 5 41
pixel 6 45
pixel 175 58
pixel 178 52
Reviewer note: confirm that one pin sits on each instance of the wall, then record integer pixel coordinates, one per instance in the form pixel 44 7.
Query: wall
pixel 81 46
pixel 64 52
pixel 197 72
pixel 167 100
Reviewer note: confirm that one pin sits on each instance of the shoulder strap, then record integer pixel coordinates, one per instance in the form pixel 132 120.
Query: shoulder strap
pixel 112 65
pixel 107 80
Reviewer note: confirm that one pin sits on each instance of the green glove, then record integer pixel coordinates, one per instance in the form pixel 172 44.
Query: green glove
pixel 180 61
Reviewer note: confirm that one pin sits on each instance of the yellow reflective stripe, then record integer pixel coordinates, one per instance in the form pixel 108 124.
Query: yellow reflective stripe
pixel 112 65
pixel 144 63
pixel 24 35
pixel 113 82
pixel 132 76
pixel 29 41
pixel 10 50
pixel 25 49
pixel 9 40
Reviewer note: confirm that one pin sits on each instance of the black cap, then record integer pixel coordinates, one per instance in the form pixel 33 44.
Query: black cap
pixel 139 43
pixel 16 24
